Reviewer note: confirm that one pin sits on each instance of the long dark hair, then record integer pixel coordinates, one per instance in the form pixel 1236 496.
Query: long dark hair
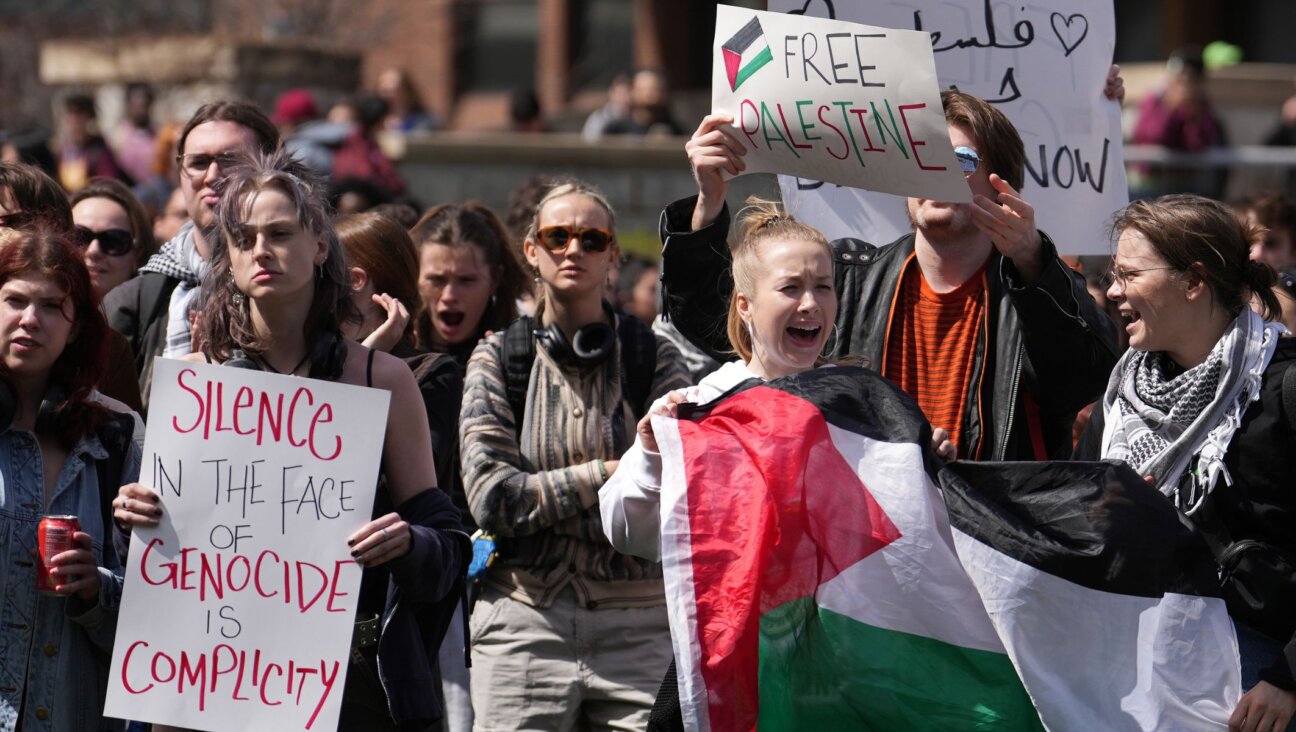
pixel 226 321
pixel 47 252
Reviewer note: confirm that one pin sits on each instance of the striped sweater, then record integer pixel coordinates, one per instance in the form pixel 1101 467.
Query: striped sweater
pixel 536 489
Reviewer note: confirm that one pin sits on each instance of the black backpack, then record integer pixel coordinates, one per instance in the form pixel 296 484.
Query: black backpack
pixel 638 363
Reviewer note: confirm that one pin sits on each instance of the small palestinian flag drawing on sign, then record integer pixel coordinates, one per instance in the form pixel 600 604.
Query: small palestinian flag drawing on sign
pixel 745 53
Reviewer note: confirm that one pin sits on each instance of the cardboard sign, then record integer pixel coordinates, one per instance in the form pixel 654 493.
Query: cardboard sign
pixel 1043 64
pixel 238 608
pixel 852 104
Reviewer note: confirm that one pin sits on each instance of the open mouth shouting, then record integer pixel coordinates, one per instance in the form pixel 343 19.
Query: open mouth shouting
pixel 805 335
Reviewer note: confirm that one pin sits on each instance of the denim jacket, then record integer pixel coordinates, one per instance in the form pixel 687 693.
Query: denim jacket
pixel 54 651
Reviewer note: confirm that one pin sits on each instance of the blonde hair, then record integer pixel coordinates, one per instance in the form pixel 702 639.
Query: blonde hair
pixel 571 188
pixel 760 221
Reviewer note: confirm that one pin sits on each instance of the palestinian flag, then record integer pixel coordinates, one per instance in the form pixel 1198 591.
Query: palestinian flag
pixel 816 579
pixel 745 53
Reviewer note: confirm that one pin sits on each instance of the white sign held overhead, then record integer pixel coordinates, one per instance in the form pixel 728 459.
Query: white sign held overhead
pixel 1044 65
pixel 841 102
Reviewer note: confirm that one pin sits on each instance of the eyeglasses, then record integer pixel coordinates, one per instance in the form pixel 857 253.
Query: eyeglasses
pixel 195 164
pixel 968 159
pixel 1116 275
pixel 114 242
pixel 17 219
pixel 556 238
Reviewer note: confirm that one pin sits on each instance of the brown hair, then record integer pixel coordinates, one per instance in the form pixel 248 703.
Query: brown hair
pixel 473 224
pixel 760 221
pixel 141 228
pixel 34 192
pixel 46 252
pixel 166 143
pixel 998 143
pixel 384 250
pixel 240 113
pixel 1202 237
pixel 227 322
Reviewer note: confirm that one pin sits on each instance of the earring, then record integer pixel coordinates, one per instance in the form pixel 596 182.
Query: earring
pixel 828 350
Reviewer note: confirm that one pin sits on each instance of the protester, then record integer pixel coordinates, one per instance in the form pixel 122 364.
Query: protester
pixel 163 177
pixel 1276 215
pixel 1180 118
pixel 566 632
pixel 133 139
pixel 310 139
pixel 383 268
pixel 173 216
pixel 616 109
pixel 636 288
pixel 649 108
pixel 525 113
pixel 64 453
pixel 973 314
pixel 469 278
pixel 272 218
pixel 83 153
pixel 113 230
pixel 405 110
pixel 1199 406
pixel 360 156
pixel 29 200
pixel 153 309
pixel 30 146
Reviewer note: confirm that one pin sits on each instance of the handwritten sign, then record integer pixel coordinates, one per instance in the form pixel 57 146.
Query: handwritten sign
pixel 840 102
pixel 1043 64
pixel 238 609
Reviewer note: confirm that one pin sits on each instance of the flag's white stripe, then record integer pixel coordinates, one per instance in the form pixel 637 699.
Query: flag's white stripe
pixel 677 566
pixel 916 584
pixel 1101 660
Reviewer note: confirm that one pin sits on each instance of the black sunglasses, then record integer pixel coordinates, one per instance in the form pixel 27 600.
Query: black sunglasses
pixel 555 238
pixel 115 242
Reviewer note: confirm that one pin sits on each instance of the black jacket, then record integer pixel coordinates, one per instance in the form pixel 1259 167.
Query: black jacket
pixel 137 308
pixel 1046 352
pixel 1261 502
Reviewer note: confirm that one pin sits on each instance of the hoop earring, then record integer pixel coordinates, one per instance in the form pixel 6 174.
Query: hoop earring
pixel 832 338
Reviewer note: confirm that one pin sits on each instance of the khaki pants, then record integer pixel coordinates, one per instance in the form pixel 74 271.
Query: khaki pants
pixel 566 666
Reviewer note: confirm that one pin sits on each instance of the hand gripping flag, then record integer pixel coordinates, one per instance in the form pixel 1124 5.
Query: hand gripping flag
pixel 818 577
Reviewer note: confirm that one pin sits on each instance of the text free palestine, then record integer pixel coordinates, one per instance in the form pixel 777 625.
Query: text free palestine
pixel 849 124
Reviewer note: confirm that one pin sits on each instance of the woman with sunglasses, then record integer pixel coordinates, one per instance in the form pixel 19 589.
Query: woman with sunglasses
pixel 113 229
pixel 279 296
pixel 567 632
pixel 1201 405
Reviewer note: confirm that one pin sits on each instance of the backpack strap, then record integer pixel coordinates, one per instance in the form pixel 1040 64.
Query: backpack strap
pixel 638 361
pixel 517 354
pixel 1289 395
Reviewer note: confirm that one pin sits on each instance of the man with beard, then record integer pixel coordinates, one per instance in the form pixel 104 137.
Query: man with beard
pixel 152 309
pixel 973 314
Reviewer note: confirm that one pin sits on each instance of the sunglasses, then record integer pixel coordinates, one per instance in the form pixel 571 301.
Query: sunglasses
pixel 556 238
pixel 114 242
pixel 968 159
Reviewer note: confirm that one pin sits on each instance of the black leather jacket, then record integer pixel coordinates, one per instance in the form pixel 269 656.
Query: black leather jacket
pixel 1046 350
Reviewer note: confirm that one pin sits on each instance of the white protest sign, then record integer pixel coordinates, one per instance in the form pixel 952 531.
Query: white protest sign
pixel 239 607
pixel 840 102
pixel 1043 64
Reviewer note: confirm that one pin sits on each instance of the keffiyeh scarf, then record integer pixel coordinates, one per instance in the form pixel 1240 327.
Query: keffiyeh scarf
pixel 179 258
pixel 1158 423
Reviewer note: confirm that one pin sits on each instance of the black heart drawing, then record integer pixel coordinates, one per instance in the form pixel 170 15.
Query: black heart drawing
pixel 832 12
pixel 1066 22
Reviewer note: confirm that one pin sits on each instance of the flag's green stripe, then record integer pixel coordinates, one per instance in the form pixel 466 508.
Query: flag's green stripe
pixel 823 671
pixel 757 61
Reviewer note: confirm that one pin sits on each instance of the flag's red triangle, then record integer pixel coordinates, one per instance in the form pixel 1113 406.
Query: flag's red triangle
pixel 733 62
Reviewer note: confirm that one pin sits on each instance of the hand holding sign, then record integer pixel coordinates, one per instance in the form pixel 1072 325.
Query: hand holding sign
pixel 381 540
pixel 713 151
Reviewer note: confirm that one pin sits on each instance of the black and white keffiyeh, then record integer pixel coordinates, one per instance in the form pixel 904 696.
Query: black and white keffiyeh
pixel 1158 423
pixel 179 258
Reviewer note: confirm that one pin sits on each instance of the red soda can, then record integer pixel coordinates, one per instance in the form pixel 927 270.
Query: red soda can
pixel 53 537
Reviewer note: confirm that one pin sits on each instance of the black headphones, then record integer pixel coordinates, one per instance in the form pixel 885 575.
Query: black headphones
pixel 48 419
pixel 592 345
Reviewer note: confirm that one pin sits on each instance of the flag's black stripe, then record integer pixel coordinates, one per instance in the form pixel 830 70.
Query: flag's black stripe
pixel 744 37
pixel 855 399
pixel 1097 524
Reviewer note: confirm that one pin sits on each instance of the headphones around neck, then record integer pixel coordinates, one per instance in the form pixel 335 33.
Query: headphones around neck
pixel 592 345
pixel 48 419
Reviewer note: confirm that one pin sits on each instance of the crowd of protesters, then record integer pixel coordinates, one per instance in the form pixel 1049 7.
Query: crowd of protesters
pixel 526 353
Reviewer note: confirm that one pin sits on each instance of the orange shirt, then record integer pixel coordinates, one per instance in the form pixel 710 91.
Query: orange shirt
pixel 932 346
